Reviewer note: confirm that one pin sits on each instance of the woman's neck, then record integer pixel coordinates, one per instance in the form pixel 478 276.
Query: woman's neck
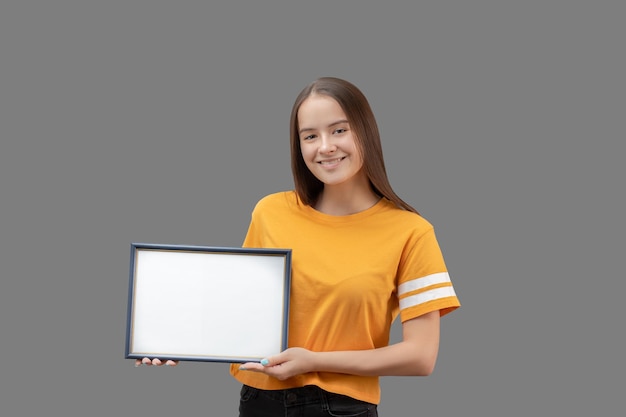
pixel 342 201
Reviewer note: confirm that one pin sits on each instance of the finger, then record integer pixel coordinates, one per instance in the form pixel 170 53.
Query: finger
pixel 137 362
pixel 146 361
pixel 275 360
pixel 157 362
pixel 171 363
pixel 252 366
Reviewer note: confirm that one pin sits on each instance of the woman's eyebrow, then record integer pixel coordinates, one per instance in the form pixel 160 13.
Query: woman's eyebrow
pixel 338 122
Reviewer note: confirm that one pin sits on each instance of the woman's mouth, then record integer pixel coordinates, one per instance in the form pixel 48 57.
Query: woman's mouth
pixel 330 162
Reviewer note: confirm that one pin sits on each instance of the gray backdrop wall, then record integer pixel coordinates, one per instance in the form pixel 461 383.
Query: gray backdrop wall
pixel 164 122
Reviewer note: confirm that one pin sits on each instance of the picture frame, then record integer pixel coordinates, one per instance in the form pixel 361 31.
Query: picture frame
pixel 207 303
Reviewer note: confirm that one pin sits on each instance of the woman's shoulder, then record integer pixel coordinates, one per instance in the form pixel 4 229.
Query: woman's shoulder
pixel 280 198
pixel 405 218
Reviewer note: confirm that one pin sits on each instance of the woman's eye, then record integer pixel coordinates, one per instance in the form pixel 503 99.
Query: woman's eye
pixel 308 137
pixel 342 130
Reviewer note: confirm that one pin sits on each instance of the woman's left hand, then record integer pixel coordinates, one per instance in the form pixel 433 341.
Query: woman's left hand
pixel 289 363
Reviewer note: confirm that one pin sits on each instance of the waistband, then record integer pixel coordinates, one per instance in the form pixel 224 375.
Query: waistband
pixel 309 394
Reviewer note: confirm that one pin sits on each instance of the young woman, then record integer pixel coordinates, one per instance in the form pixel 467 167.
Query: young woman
pixel 361 256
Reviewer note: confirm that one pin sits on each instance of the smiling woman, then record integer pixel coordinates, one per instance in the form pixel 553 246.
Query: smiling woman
pixel 361 256
pixel 330 151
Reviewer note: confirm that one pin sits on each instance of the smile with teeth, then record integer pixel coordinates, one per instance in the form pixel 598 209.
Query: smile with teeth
pixel 331 161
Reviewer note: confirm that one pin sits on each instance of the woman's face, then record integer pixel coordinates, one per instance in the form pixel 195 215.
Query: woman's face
pixel 328 145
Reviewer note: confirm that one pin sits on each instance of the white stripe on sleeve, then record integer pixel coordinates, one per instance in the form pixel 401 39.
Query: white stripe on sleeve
pixel 423 282
pixel 423 297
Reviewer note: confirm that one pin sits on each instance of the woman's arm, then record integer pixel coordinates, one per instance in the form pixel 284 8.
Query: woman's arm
pixel 415 355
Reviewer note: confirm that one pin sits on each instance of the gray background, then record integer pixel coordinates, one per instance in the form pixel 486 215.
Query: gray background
pixel 164 122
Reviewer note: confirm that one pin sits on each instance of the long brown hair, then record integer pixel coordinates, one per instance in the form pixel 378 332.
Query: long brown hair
pixel 362 122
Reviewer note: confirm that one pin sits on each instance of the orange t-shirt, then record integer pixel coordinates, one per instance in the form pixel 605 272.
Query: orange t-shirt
pixel 351 277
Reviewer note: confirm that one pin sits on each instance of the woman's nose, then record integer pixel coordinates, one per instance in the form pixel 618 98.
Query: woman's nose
pixel 327 146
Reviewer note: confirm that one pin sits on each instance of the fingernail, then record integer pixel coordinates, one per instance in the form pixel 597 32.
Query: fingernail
pixel 243 368
pixel 264 362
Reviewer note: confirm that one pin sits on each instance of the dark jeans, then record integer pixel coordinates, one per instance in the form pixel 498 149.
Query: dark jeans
pixel 309 401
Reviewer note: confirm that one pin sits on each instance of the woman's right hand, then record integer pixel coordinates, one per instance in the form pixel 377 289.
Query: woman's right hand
pixel 155 362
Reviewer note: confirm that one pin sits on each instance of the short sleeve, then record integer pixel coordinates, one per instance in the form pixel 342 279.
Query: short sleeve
pixel 424 284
